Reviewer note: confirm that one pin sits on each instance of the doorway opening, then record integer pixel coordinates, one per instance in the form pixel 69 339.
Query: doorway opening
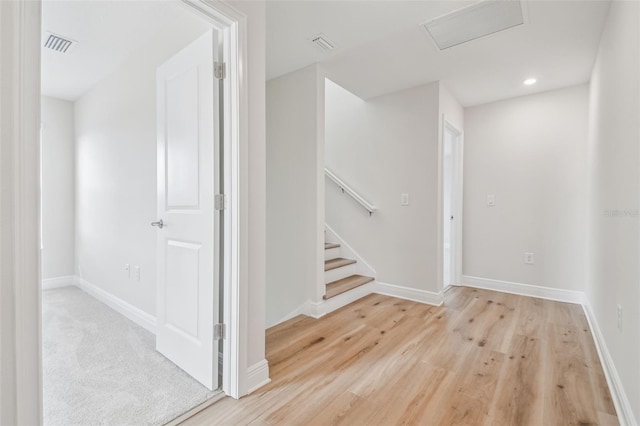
pixel 452 205
pixel 113 284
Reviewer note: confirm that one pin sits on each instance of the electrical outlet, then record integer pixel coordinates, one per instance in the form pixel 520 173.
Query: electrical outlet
pixel 491 200
pixel 528 258
pixel 404 199
pixel 619 318
pixel 137 273
pixel 127 270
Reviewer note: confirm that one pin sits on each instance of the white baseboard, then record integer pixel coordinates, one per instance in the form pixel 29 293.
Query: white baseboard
pixel 415 295
pixel 620 400
pixel 58 282
pixel 556 294
pixel 362 267
pixel 136 315
pixel 258 375
pixel 320 309
pixel 300 310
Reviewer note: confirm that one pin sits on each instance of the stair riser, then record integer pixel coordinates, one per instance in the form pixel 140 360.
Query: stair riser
pixel 333 253
pixel 339 273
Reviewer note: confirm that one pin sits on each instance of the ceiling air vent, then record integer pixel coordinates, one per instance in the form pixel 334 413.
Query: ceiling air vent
pixel 58 43
pixel 475 21
pixel 323 42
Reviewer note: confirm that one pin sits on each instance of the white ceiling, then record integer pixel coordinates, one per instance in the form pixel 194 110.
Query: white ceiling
pixel 107 32
pixel 381 48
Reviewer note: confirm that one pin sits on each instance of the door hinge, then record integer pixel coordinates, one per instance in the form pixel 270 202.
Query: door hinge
pixel 220 70
pixel 219 331
pixel 220 202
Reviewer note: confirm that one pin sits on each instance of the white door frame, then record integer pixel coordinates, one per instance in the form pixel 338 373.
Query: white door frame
pixel 232 25
pixel 457 186
pixel 20 303
pixel 20 366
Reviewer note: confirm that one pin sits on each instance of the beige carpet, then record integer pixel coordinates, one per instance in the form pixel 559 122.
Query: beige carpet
pixel 99 368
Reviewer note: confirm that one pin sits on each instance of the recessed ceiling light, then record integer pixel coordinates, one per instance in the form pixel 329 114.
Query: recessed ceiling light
pixel 530 82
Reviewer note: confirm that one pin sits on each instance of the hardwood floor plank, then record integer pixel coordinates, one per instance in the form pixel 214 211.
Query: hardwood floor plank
pixel 518 398
pixel 473 388
pixel 425 387
pixel 483 358
pixel 531 316
pixel 569 395
pixel 395 354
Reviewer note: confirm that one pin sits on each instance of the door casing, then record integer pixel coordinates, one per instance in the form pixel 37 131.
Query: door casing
pixel 21 356
pixel 457 187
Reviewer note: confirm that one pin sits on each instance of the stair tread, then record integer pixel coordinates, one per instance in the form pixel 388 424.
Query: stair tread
pixel 337 263
pixel 345 284
pixel 328 246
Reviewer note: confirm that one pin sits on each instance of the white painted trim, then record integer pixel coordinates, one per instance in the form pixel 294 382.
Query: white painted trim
pixel 347 251
pixel 407 293
pixel 236 125
pixel 20 281
pixel 136 315
pixel 318 290
pixel 320 309
pixel 58 282
pixel 549 293
pixel 300 310
pixel 341 272
pixel 620 399
pixel 258 375
pixel 458 210
pixel 457 161
pixel 21 390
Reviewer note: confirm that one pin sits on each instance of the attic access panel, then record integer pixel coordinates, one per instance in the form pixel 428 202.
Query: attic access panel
pixel 473 22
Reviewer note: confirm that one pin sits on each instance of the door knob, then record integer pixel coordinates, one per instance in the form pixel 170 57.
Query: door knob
pixel 159 224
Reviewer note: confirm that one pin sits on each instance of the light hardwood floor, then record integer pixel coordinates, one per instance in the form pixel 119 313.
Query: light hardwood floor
pixel 483 358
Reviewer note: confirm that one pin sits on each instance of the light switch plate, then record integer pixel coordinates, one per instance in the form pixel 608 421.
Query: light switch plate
pixel 404 199
pixel 528 258
pixel 491 200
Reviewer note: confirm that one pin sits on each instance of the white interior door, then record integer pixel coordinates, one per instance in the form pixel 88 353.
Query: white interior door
pixel 452 206
pixel 448 213
pixel 187 288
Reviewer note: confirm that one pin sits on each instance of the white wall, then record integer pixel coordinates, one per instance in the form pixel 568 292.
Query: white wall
pixel 382 148
pixel 115 127
pixel 614 182
pixel 292 180
pixel 450 108
pixel 58 173
pixel 530 152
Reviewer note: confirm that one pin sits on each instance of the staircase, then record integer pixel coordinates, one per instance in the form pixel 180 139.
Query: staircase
pixel 340 274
